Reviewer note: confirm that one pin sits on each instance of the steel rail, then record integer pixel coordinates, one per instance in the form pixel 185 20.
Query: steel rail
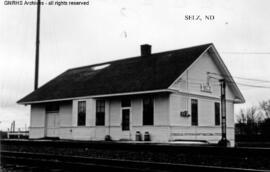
pixel 79 162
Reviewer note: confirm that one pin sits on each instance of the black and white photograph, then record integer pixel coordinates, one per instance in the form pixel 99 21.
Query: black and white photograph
pixel 134 85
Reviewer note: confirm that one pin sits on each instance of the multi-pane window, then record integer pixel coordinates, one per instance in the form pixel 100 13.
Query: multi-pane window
pixel 148 111
pixel 194 112
pixel 217 113
pixel 81 113
pixel 100 112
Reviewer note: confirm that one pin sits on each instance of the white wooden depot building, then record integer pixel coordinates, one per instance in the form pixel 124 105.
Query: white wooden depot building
pixel 173 95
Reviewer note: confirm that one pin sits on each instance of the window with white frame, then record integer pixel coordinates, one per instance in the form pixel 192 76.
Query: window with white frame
pixel 100 112
pixel 148 110
pixel 194 112
pixel 217 113
pixel 81 113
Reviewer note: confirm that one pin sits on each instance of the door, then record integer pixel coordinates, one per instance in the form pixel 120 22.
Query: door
pixel 125 119
pixel 52 124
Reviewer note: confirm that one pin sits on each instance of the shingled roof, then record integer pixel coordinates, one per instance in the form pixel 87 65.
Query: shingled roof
pixel 144 73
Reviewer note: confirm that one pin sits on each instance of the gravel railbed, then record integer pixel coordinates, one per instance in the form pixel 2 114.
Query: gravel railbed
pixel 152 155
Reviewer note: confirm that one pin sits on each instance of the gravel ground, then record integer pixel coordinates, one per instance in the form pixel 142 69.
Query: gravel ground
pixel 167 156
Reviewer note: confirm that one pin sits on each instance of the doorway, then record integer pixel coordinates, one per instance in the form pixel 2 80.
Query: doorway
pixel 52 125
pixel 125 123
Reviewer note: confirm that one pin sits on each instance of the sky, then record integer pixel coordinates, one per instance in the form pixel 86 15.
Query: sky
pixel 106 30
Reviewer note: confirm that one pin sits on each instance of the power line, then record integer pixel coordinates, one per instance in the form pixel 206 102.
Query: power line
pixel 251 53
pixel 254 86
pixel 243 78
pixel 195 81
pixel 247 85
pixel 257 80
pixel 199 82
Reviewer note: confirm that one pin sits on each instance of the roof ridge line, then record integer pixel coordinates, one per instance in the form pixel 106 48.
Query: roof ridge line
pixel 113 61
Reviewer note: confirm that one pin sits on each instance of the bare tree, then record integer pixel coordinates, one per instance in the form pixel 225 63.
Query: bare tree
pixel 254 123
pixel 249 121
pixel 242 118
pixel 265 107
pixel 249 115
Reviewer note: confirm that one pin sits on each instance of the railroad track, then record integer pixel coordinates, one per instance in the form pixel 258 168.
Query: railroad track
pixel 78 163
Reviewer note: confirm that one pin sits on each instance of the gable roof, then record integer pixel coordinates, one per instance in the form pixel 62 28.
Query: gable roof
pixel 154 72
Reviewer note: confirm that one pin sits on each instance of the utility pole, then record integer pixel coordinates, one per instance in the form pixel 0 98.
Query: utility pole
pixel 37 46
pixel 223 141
